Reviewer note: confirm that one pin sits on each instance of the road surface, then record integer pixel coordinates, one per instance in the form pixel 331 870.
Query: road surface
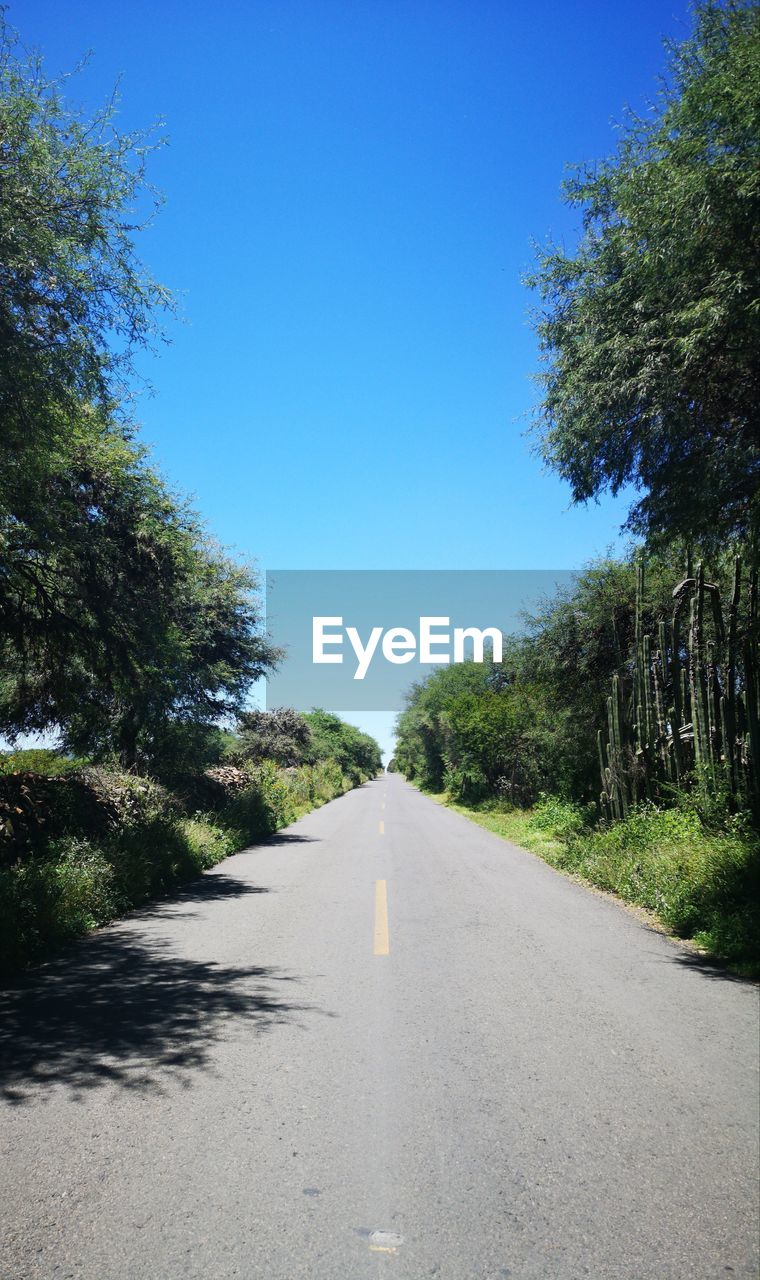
pixel 383 1044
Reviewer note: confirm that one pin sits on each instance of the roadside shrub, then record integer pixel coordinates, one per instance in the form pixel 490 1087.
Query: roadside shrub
pixel 91 842
pixel 41 760
pixel 702 885
pixel 271 798
pixel 311 785
pixel 562 818
pixel 52 899
pixel 327 780
pixel 466 783
pixel 83 801
pixel 150 858
pixel 207 841
pixel 79 883
pixel 262 807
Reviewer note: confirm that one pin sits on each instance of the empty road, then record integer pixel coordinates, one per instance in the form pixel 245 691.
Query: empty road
pixel 383 1044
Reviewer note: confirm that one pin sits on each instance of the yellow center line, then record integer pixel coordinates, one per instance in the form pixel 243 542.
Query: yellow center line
pixel 382 828
pixel 382 944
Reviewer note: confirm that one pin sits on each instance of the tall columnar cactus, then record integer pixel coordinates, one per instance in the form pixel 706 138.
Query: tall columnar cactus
pixel 659 678
pixel 693 707
pixel 730 727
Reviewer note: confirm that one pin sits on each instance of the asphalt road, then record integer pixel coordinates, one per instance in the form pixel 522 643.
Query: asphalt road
pixel 384 1044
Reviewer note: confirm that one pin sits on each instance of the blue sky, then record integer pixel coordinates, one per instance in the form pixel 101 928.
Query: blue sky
pixel 351 193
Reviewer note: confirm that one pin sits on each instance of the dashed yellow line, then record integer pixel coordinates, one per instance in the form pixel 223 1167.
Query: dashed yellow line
pixel 382 828
pixel 382 942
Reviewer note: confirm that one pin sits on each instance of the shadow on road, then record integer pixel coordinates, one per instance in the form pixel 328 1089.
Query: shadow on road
pixel 119 1011
pixel 285 837
pixel 711 968
pixel 212 886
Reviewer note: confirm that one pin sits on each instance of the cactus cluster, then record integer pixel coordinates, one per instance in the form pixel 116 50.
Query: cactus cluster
pixel 686 710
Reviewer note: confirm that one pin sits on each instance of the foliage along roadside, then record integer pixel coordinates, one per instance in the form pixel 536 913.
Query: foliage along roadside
pixel 96 842
pixel 684 839
pixel 649 325
pixel 121 620
pixel 701 886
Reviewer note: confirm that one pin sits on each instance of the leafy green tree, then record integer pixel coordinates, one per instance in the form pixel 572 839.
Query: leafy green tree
pixel 129 618
pixel 483 739
pixel 118 615
pixel 421 732
pixel 650 330
pixel 357 753
pixel 574 642
pixel 478 730
pixel 75 300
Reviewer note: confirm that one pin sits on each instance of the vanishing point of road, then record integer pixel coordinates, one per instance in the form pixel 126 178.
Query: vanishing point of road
pixel 384 1043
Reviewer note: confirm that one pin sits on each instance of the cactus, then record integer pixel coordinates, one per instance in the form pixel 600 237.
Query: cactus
pixel 694 701
pixel 729 732
pixel 659 677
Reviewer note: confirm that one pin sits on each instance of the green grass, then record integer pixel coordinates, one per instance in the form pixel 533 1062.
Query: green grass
pixel 701 886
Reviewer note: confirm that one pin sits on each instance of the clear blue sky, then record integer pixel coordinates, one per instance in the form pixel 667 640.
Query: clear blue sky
pixel 351 193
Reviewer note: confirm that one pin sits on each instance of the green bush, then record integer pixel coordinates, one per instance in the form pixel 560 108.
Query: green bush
pixel 37 808
pixel 465 783
pixel 311 785
pixel 41 760
pixel 262 807
pixel 327 780
pixel 275 797
pixel 109 841
pixel 701 884
pixel 52 899
pixel 78 883
pixel 562 818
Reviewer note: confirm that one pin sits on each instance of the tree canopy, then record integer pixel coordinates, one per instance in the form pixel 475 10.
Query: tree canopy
pixel 650 329
pixel 282 735
pixel 117 611
pixel 333 739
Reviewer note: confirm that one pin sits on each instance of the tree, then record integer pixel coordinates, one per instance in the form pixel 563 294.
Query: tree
pixel 117 612
pixel 478 730
pixel 357 753
pixel 650 330
pixel 421 740
pixel 118 615
pixel 283 735
pixel 75 300
pixel 574 642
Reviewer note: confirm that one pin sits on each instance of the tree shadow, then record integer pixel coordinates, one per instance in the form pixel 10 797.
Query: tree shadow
pixel 710 967
pixel 115 1011
pixel 283 838
pixel 211 886
pixel 214 885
